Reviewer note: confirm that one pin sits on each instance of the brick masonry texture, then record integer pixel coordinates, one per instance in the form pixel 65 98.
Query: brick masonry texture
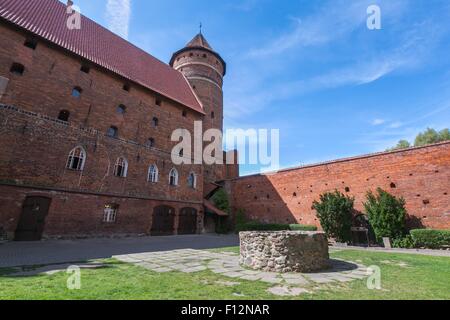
pixel 35 146
pixel 421 176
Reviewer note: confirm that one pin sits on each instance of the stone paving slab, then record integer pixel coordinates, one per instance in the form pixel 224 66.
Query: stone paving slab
pixel 227 265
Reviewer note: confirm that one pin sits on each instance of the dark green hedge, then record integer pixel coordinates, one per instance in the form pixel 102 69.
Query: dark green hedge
pixel 301 227
pixel 433 239
pixel 257 226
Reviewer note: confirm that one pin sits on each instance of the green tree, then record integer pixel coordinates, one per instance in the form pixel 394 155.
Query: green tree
pixel 430 136
pixel 444 135
pixel 402 144
pixel 427 137
pixel 335 212
pixel 220 200
pixel 386 213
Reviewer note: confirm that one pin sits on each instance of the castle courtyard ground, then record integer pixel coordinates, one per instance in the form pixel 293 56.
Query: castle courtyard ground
pixel 207 267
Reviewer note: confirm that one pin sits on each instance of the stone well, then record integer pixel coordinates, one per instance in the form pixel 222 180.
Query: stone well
pixel 284 251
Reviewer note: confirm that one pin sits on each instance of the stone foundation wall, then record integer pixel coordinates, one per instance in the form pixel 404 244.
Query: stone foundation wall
pixel 285 251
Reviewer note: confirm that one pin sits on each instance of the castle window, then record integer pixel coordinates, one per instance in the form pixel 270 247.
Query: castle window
pixel 158 102
pixel 155 122
pixel 153 174
pixel 17 69
pixel 76 160
pixel 121 109
pixel 110 213
pixel 191 54
pixel 173 177
pixel 192 180
pixel 85 68
pixel 151 143
pixel 112 132
pixel 184 113
pixel 30 43
pixel 76 92
pixel 64 115
pixel 126 87
pixel 181 154
pixel 213 115
pixel 204 55
pixel 121 168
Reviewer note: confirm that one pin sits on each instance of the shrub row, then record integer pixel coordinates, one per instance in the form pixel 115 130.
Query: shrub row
pixel 256 226
pixel 301 227
pixel 433 239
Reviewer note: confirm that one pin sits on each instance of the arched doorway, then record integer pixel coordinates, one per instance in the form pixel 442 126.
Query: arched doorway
pixel 187 222
pixel 32 220
pixel 163 221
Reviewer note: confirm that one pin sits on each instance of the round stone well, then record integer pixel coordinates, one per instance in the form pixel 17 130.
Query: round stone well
pixel 284 251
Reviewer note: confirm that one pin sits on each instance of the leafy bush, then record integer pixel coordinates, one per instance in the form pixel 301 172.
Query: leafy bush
pixel 241 218
pixel 433 239
pixel 257 226
pixel 301 227
pixel 335 212
pixel 220 200
pixel 405 243
pixel 386 214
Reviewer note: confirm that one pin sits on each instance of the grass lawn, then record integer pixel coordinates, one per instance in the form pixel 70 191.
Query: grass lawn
pixel 404 276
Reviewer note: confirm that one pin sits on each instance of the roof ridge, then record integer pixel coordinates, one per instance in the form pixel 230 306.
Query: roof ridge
pixel 100 46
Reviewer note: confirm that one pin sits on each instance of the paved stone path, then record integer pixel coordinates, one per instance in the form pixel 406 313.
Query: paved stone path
pixel 227 264
pixel 14 254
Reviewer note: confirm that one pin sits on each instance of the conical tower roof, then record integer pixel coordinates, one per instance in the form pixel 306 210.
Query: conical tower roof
pixel 199 41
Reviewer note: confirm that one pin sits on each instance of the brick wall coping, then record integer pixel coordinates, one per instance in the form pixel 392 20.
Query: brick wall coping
pixel 87 192
pixel 325 163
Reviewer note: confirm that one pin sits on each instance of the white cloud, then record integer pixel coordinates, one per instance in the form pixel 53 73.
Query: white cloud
pixel 118 14
pixel 377 122
pixel 331 22
pixel 396 125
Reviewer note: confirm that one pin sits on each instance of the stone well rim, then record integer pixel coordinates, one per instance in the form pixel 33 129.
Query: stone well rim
pixel 293 232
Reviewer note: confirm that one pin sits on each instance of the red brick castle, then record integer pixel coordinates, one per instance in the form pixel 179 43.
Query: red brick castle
pixel 86 120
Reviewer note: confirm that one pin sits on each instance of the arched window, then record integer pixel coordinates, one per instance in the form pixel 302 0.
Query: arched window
pixel 77 158
pixel 153 174
pixel 64 115
pixel 121 109
pixel 76 92
pixel 121 167
pixel 155 122
pixel 192 180
pixel 113 132
pixel 173 177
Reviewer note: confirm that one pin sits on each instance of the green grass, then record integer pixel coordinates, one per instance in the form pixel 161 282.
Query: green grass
pixel 419 277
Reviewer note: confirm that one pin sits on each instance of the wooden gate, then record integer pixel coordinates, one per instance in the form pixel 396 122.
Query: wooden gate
pixel 163 221
pixel 32 220
pixel 187 223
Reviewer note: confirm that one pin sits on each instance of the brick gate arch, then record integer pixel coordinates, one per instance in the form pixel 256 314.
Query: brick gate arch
pixel 187 221
pixel 163 221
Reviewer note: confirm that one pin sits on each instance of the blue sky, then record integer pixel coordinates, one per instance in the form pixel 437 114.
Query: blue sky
pixel 310 68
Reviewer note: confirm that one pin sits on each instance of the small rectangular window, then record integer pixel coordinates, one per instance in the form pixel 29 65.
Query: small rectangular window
pixel 85 68
pixel 126 87
pixel 30 43
pixel 17 69
pixel 158 102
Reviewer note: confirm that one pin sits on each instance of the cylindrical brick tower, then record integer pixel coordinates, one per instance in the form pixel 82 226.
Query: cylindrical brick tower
pixel 204 69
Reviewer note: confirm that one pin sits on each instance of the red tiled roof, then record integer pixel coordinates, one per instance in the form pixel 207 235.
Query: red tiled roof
pixel 48 18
